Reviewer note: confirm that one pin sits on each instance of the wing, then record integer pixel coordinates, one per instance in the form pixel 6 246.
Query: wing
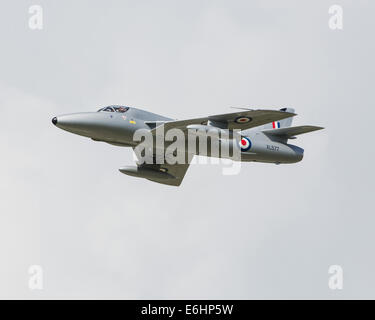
pixel 290 132
pixel 169 174
pixel 176 171
pixel 238 120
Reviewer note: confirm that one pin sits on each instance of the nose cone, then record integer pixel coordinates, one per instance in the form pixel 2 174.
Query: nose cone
pixel 87 124
pixel 96 125
pixel 78 123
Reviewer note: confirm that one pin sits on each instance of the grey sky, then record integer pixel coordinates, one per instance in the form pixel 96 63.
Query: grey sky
pixel 270 232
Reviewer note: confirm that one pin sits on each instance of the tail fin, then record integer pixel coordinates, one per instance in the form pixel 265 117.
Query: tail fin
pixel 285 123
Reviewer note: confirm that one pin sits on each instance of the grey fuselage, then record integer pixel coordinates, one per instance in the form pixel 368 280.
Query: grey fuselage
pixel 119 128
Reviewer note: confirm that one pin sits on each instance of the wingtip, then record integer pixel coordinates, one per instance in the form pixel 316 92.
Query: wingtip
pixel 289 114
pixel 316 128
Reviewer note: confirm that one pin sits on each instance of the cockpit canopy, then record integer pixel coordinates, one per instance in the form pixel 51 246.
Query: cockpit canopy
pixel 119 109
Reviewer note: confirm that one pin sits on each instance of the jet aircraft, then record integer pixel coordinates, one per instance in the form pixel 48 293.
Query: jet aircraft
pixel 259 135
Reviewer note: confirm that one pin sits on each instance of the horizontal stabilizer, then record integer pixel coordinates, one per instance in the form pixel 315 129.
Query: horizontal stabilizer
pixel 290 132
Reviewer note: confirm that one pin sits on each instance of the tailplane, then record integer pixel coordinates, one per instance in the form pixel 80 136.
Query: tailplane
pixel 282 131
pixel 291 132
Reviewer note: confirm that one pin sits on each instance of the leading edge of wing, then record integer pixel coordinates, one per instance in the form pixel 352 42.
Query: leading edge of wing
pixel 253 118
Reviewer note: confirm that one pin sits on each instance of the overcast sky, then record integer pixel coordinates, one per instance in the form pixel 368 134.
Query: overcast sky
pixel 269 232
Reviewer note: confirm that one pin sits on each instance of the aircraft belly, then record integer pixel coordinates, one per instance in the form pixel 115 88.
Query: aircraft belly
pixel 274 152
pixel 261 151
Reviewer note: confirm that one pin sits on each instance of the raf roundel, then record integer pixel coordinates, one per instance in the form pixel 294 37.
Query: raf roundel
pixel 245 144
pixel 242 120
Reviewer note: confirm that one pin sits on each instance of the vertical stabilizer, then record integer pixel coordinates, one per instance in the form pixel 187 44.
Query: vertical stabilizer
pixel 285 123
